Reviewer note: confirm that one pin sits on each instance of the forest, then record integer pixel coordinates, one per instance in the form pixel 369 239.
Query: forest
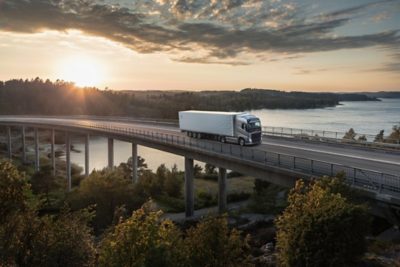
pixel 44 97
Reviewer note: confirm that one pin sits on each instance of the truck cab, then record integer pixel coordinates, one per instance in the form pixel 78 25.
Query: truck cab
pixel 248 129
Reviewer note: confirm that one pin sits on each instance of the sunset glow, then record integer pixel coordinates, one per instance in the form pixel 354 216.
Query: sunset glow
pixel 83 71
pixel 288 45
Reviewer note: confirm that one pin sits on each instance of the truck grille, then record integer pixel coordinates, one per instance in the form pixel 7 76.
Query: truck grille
pixel 256 137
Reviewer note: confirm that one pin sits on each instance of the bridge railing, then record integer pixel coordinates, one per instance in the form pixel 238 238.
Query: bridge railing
pixel 331 136
pixel 369 180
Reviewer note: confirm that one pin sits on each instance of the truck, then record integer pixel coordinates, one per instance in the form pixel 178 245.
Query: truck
pixel 234 127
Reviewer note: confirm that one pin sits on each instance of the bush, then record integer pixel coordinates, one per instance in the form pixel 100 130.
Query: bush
pixel 107 190
pixel 63 240
pixel 142 240
pixel 212 243
pixel 350 135
pixel 205 199
pixel 29 240
pixel 320 227
pixel 45 184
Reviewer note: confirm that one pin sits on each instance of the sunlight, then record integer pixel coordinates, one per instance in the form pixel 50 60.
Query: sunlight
pixel 82 70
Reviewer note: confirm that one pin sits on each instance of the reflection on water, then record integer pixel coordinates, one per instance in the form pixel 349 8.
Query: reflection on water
pixel 122 151
pixel 364 117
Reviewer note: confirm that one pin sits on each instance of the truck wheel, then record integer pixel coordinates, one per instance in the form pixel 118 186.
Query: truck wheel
pixel 222 139
pixel 241 142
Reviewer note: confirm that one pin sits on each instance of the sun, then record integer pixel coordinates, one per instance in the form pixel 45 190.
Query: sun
pixel 82 70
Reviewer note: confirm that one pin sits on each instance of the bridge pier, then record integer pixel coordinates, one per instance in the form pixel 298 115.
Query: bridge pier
pixel 222 196
pixel 9 145
pixel 87 137
pixel 134 163
pixel 110 153
pixel 68 159
pixel 53 155
pixel 23 142
pixel 189 187
pixel 37 155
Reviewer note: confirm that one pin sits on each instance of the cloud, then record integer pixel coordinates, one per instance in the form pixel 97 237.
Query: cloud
pixel 392 66
pixel 224 29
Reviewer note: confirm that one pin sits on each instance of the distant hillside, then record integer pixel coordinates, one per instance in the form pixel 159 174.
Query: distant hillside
pixel 62 98
pixel 383 94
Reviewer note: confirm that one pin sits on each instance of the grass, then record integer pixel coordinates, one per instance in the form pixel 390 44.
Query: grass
pixel 234 185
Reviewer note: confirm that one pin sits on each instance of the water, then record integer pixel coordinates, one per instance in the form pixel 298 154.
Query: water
pixel 367 117
pixel 364 117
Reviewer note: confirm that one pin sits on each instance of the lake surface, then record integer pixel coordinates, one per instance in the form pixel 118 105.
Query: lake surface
pixel 365 117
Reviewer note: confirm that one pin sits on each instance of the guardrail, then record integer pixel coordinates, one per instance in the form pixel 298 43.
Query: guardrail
pixel 329 136
pixel 364 179
pixel 369 180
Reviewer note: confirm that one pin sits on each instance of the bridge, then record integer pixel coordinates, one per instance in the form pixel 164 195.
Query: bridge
pixel 278 160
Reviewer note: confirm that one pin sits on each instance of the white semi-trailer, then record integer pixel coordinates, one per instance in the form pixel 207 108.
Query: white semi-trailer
pixel 234 127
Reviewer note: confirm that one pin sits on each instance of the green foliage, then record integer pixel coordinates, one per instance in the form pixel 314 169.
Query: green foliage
pixel 209 169
pixel 362 138
pixel 14 191
pixel 212 243
pixel 197 170
pixel 142 240
pixel 394 136
pixel 107 190
pixel 380 136
pixel 29 240
pixel 63 240
pixel 164 181
pixel 350 135
pixel 146 240
pixel 173 183
pixel 205 199
pixel 127 169
pixel 46 185
pixel 265 198
pixel 320 227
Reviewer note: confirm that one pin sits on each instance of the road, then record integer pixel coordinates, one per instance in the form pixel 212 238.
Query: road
pixel 363 158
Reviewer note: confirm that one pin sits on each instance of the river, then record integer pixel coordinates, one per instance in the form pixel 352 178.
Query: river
pixel 365 117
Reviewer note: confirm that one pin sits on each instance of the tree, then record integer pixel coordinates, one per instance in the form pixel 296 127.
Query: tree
pixel 44 183
pixel 143 240
pixel 320 227
pixel 350 135
pixel 127 168
pixel 394 136
pixel 15 212
pixel 212 243
pixel 173 183
pixel 107 190
pixel 380 136
pixel 209 169
pixel 62 240
pixel 197 169
pixel 29 240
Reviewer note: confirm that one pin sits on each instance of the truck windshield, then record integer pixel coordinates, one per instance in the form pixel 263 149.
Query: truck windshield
pixel 254 125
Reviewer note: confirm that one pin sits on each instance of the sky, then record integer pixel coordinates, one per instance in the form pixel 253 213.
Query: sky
pixel 304 45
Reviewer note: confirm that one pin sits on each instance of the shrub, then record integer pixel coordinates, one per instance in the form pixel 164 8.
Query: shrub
pixel 107 190
pixel 320 227
pixel 142 240
pixel 212 243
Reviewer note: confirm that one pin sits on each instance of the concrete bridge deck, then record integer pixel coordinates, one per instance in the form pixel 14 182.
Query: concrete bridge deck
pixel 277 160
